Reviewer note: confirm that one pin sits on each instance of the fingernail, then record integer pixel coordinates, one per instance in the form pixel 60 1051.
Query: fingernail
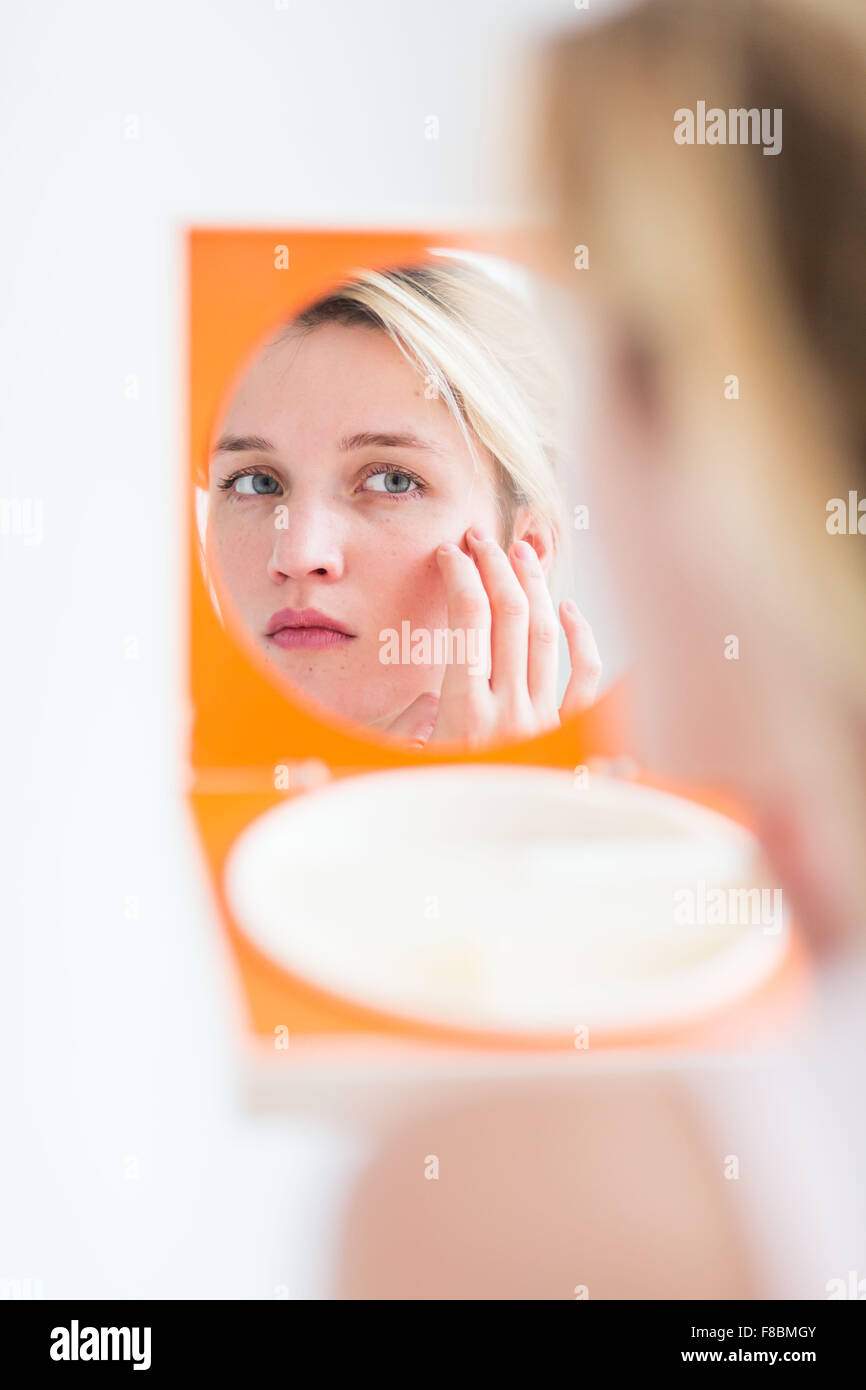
pixel 570 607
pixel 479 533
pixel 447 548
pixel 523 551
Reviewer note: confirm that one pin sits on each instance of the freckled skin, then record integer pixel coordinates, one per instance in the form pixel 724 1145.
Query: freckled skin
pixel 365 558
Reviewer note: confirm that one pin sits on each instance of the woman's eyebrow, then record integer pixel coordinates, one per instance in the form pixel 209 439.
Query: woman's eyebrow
pixel 241 443
pixel 370 439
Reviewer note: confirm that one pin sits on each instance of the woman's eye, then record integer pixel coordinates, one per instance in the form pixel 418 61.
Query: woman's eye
pixel 256 485
pixel 393 482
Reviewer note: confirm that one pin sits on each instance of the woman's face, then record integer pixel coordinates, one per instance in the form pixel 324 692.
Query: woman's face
pixel 711 652
pixel 332 482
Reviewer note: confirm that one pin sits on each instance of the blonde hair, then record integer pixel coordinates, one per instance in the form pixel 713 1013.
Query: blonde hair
pixel 722 260
pixel 481 351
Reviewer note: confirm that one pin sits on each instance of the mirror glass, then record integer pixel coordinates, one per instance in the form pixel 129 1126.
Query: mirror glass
pixel 409 409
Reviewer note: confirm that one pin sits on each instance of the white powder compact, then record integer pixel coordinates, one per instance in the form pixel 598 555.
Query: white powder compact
pixel 510 899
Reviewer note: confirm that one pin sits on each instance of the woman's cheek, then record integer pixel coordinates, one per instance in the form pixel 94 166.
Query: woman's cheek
pixel 423 599
pixel 240 557
pixel 400 573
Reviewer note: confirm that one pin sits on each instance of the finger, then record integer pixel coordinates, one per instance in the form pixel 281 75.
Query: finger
pixel 465 688
pixel 509 610
pixel 585 660
pixel 417 721
pixel 543 658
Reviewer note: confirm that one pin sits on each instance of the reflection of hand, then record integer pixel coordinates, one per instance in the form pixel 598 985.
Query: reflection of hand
pixel 505 601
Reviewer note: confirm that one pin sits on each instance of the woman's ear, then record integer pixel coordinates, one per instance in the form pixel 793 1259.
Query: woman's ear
pixel 536 533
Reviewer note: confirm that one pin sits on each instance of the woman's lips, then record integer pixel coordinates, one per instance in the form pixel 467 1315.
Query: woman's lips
pixel 289 637
pixel 306 627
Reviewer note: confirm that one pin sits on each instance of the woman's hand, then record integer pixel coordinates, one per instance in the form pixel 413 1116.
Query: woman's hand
pixel 503 602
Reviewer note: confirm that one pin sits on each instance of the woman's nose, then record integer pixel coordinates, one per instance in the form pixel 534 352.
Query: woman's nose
pixel 307 540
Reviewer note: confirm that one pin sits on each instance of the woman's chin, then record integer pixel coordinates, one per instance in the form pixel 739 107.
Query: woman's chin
pixel 342 702
pixel 355 696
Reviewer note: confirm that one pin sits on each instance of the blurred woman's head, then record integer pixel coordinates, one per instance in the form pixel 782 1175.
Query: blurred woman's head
pixel 725 294
pixel 387 418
